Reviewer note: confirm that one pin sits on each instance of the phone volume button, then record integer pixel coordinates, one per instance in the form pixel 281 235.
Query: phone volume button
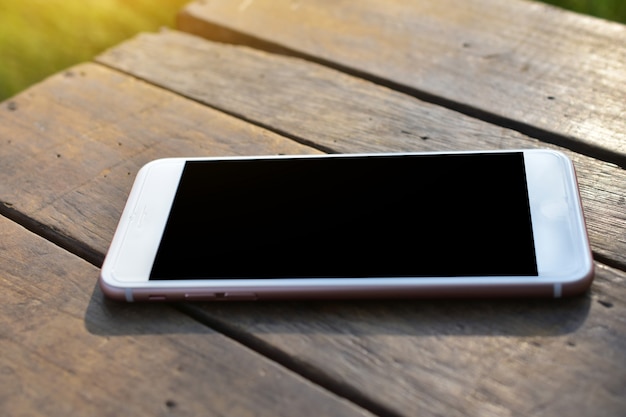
pixel 200 296
pixel 240 296
pixel 230 296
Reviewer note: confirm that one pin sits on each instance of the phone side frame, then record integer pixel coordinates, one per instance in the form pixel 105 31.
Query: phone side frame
pixel 580 286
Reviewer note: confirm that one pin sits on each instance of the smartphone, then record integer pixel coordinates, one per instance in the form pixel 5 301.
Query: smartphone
pixel 477 224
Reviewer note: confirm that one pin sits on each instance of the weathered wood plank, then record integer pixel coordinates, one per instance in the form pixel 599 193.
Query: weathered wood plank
pixel 71 146
pixel 66 351
pixel 340 113
pixel 544 71
pixel 455 358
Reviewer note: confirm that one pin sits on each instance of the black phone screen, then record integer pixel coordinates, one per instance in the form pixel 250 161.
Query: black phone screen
pixel 350 216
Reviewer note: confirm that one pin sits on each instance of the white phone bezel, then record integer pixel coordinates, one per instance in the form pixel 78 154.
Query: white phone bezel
pixel 555 211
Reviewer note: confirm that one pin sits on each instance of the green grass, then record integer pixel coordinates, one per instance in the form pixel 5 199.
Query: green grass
pixel 41 37
pixel 606 9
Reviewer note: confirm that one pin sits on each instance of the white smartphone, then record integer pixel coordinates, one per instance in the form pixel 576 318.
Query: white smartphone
pixel 499 223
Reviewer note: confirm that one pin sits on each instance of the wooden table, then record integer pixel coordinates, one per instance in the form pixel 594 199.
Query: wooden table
pixel 295 78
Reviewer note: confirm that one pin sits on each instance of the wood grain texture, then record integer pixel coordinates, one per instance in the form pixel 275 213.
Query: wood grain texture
pixel 544 71
pixel 455 358
pixel 71 146
pixel 68 352
pixel 340 113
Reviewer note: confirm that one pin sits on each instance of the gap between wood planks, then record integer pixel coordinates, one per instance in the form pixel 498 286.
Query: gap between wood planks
pixel 346 37
pixel 308 371
pixel 52 235
pixel 534 132
pixel 298 139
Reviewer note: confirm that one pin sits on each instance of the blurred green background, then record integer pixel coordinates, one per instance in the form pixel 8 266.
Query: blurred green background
pixel 41 37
